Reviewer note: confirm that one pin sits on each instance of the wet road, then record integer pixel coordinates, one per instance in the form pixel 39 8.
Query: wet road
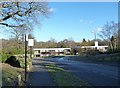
pixel 94 74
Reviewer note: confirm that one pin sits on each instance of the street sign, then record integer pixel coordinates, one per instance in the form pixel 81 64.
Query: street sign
pixel 30 42
pixel 26 37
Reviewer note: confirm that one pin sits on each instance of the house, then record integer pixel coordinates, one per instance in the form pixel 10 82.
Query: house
pixel 96 46
pixel 38 52
pixel 99 48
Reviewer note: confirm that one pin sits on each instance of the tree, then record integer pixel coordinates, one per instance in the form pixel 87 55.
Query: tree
pixel 112 42
pixel 61 44
pixel 118 38
pixel 16 35
pixel 84 42
pixel 71 42
pixel 20 17
pixel 18 14
pixel 51 43
pixel 30 36
pixel 109 29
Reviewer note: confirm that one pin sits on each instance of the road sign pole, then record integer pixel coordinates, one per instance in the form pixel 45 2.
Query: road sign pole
pixel 31 52
pixel 25 60
pixel 31 44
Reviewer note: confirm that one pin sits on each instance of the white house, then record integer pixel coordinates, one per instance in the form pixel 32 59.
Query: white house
pixel 96 46
pixel 51 51
pixel 100 48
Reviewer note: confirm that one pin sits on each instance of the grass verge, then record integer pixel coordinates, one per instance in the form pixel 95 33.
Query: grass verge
pixel 63 78
pixel 10 75
pixel 108 58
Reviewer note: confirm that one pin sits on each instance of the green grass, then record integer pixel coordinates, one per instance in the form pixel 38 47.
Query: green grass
pixel 10 75
pixel 63 78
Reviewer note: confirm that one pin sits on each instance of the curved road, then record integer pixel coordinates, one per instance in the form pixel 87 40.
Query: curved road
pixel 94 74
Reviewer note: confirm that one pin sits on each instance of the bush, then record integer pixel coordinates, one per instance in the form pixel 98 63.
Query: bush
pixel 13 61
pixel 4 57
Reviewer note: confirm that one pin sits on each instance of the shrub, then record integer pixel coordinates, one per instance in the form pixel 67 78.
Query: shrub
pixel 4 57
pixel 13 61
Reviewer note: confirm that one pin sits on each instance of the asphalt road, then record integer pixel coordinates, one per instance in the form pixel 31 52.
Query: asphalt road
pixel 94 74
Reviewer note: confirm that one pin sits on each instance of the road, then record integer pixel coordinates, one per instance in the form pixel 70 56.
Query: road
pixel 94 74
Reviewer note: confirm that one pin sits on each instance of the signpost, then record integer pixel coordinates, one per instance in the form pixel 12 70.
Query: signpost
pixel 26 42
pixel 31 44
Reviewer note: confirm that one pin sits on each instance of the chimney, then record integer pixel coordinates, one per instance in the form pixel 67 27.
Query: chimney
pixel 96 43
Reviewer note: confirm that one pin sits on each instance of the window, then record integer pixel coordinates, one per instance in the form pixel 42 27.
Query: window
pixel 38 51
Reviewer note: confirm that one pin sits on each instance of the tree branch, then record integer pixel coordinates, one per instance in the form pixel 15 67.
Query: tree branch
pixel 12 25
pixel 9 16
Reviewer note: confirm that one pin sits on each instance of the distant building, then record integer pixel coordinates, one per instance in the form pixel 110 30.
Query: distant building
pixel 97 47
pixel 38 52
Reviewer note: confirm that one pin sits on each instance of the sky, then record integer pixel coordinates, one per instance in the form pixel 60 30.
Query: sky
pixel 75 20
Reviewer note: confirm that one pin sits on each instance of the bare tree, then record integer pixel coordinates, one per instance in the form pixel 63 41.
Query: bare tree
pixel 52 43
pixel 19 17
pixel 118 38
pixel 17 14
pixel 110 29
pixel 18 35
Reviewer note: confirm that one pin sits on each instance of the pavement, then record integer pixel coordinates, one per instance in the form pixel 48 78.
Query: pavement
pixel 39 75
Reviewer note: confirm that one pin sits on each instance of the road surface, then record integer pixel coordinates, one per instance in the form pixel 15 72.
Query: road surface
pixel 94 74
